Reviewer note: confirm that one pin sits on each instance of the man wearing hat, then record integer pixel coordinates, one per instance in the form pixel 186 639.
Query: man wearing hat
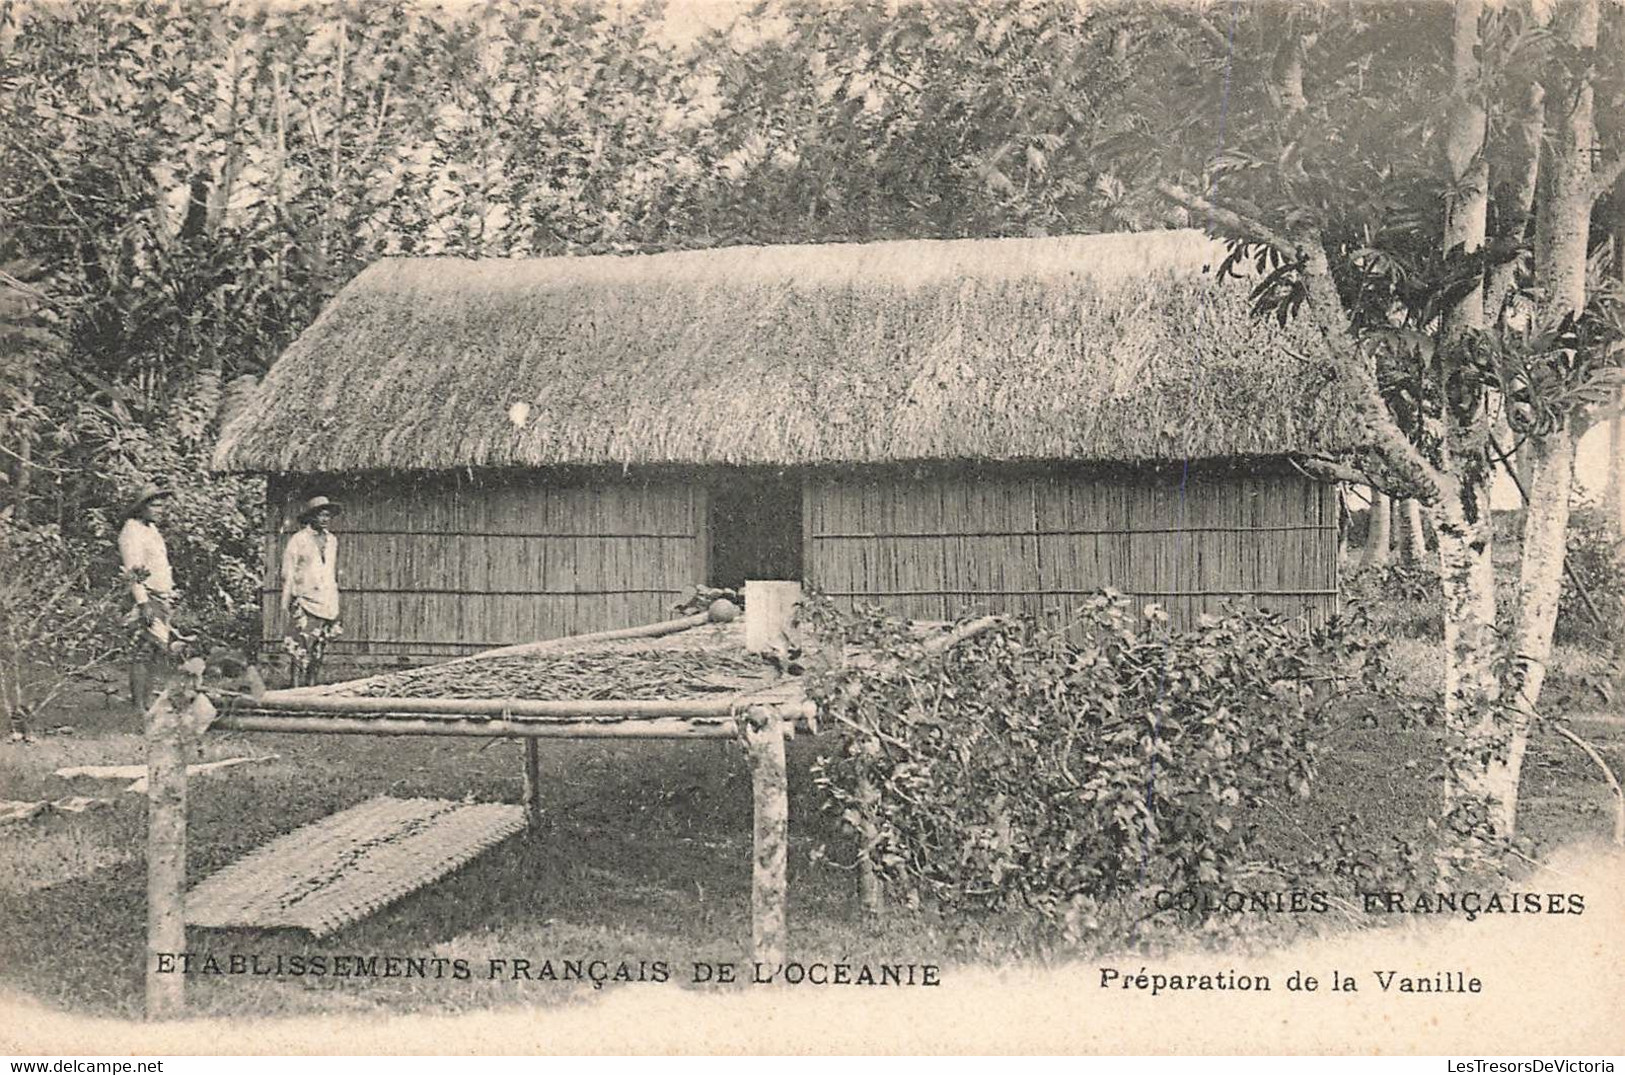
pixel 152 586
pixel 310 589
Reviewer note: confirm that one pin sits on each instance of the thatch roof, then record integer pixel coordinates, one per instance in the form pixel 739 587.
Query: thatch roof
pixel 1107 347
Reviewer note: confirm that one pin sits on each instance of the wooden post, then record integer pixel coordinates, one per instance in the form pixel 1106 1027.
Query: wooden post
pixel 166 857
pixel 533 787
pixel 764 745
pixel 870 896
pixel 769 607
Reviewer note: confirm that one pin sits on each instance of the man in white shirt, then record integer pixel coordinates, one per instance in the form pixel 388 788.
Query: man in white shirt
pixel 310 590
pixel 152 587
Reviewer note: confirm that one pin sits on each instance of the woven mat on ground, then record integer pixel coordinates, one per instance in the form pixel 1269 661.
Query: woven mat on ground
pixel 345 867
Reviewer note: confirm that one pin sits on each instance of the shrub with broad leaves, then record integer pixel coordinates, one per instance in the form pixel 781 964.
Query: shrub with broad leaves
pixel 56 622
pixel 1051 765
pixel 1405 600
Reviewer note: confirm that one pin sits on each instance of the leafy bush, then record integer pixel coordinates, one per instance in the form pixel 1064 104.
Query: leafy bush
pixel 55 622
pixel 1051 766
pixel 1404 600
pixel 1596 554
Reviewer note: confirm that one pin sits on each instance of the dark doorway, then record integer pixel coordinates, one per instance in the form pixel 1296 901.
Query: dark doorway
pixel 755 528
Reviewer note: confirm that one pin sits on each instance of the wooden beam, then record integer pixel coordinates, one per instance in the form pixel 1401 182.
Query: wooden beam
pixel 244 716
pixel 764 745
pixel 700 511
pixel 807 499
pixel 533 786
pixel 870 894
pixel 504 707
pixel 939 643
pixel 648 630
pixel 166 858
pixel 769 608
pixel 451 724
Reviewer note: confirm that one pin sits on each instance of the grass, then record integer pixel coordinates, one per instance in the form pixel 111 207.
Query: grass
pixel 644 855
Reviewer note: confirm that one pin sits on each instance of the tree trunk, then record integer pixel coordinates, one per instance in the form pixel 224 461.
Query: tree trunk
pixel 1378 533
pixel 1560 279
pixel 533 787
pixel 1288 82
pixel 1462 517
pixel 1120 43
pixel 1517 210
pixel 1565 210
pixel 24 475
pixel 1466 220
pixel 1540 581
pixel 1342 524
pixel 1471 685
pixel 1413 543
pixel 1613 497
pixel 1523 460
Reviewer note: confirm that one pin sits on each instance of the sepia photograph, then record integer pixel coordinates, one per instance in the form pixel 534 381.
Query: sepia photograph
pixel 836 527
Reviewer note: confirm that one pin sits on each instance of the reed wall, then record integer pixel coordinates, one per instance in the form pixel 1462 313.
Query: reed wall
pixel 935 544
pixel 431 567
pixel 437 566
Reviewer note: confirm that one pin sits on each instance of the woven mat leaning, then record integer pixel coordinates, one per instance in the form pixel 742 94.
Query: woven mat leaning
pixel 344 867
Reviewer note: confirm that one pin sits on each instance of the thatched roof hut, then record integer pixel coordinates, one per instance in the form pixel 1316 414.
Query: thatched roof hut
pixel 1028 386
pixel 1104 348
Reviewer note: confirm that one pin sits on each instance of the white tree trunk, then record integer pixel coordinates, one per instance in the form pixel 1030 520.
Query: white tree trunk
pixel 1560 278
pixel 1379 533
pixel 1565 209
pixel 1614 492
pixel 1467 217
pixel 1540 581
pixel 1462 518
pixel 1471 685
pixel 1516 210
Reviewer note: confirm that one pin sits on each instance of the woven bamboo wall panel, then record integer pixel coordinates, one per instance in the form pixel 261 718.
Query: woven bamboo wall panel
pixel 1004 540
pixel 434 566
